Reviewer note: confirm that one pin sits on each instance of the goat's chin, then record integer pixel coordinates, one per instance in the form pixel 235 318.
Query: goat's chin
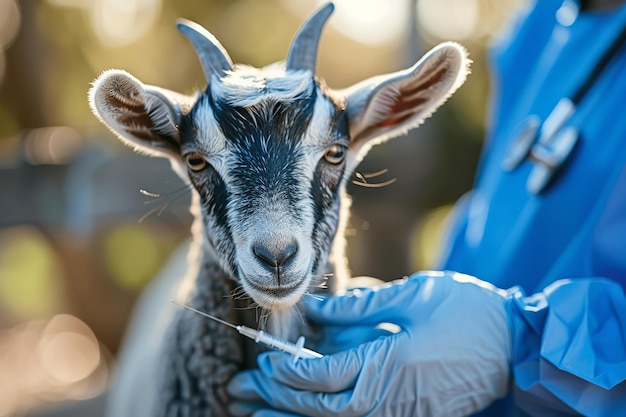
pixel 271 300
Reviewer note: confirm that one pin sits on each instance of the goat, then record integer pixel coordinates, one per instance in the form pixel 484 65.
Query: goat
pixel 267 152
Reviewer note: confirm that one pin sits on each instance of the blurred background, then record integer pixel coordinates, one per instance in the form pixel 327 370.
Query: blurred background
pixel 85 224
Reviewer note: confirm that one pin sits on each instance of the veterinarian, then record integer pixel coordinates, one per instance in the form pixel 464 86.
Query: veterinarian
pixel 546 221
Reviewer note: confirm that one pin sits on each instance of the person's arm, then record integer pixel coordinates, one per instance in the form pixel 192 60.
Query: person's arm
pixel 569 348
pixel 459 339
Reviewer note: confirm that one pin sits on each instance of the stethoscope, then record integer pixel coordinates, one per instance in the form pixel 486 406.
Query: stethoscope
pixel 548 145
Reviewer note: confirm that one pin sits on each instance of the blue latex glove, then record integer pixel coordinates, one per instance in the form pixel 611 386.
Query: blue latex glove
pixel 450 358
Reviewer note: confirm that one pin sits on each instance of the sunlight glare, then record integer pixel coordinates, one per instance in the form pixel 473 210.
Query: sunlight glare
pixel 370 22
pixel 448 19
pixel 121 22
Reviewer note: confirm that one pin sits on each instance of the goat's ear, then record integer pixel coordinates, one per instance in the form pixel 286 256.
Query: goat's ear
pixel 144 117
pixel 389 105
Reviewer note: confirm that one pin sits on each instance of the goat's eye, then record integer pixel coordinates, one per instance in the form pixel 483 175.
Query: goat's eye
pixel 334 154
pixel 195 162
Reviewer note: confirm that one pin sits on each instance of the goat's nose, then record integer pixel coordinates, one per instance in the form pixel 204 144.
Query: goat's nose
pixel 275 256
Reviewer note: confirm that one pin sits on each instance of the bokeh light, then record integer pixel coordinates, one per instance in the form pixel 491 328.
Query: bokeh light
pixel 48 361
pixel 426 240
pixel 9 27
pixel 133 255
pixel 465 19
pixel 370 22
pixel 121 22
pixel 68 350
pixel 448 19
pixel 9 22
pixel 52 145
pixel 117 23
pixel 29 274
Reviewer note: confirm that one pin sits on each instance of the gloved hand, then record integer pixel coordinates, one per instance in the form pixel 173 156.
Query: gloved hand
pixel 450 358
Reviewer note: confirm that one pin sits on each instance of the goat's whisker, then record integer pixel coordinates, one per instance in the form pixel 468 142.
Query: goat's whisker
pixel 239 293
pixel 248 307
pixel 149 194
pixel 264 317
pixel 376 185
pixel 375 174
pixel 362 179
pixel 300 314
pixel 158 209
pixel 173 195
pixel 156 197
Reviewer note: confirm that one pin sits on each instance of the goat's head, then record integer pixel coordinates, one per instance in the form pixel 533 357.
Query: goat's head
pixel 269 150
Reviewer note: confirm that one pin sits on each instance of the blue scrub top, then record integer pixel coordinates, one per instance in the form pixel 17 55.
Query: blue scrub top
pixel 569 339
pixel 576 227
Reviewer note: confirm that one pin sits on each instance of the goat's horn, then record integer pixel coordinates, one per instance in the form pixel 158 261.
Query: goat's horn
pixel 213 56
pixel 303 50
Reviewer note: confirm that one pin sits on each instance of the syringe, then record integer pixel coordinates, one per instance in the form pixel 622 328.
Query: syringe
pixel 259 336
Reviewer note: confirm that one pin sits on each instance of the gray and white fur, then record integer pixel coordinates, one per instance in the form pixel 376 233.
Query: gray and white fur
pixel 267 153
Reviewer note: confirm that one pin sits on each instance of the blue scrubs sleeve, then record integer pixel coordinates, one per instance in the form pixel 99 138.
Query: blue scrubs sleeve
pixel 569 349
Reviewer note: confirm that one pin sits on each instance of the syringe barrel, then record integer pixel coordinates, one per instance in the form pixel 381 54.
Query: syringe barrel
pixel 295 349
pixel 274 342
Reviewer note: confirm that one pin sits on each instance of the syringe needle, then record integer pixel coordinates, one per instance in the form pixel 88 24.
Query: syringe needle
pixel 259 336
pixel 202 313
